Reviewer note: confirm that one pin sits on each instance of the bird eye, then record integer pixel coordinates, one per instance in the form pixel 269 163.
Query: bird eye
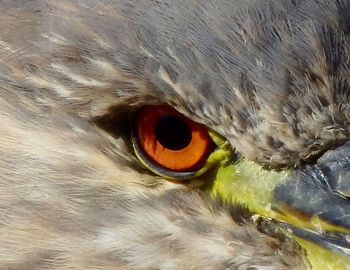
pixel 170 144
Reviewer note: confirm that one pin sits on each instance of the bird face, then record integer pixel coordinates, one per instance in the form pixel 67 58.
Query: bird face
pixel 121 120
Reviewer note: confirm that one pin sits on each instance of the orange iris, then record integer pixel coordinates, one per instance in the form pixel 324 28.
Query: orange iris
pixel 171 139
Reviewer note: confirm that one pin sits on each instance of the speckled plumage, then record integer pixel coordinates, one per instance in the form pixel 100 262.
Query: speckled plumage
pixel 270 76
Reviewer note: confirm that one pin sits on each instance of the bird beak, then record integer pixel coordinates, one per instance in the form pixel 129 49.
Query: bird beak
pixel 311 203
pixel 318 197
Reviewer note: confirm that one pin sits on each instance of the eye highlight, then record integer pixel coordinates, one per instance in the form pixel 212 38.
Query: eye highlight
pixel 172 145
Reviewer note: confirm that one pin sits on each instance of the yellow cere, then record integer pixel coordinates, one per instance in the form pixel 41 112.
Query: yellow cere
pixel 248 183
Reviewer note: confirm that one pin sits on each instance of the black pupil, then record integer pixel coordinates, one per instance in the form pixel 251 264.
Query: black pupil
pixel 172 132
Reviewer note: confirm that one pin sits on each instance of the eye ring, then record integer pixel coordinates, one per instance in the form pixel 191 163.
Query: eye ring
pixel 172 145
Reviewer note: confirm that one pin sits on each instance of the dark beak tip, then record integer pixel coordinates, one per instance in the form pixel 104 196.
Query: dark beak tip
pixel 322 191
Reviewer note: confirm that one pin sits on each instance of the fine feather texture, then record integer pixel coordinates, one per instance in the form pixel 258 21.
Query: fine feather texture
pixel 65 204
pixel 278 67
pixel 271 76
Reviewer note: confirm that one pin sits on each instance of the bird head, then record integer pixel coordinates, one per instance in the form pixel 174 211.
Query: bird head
pixel 247 101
